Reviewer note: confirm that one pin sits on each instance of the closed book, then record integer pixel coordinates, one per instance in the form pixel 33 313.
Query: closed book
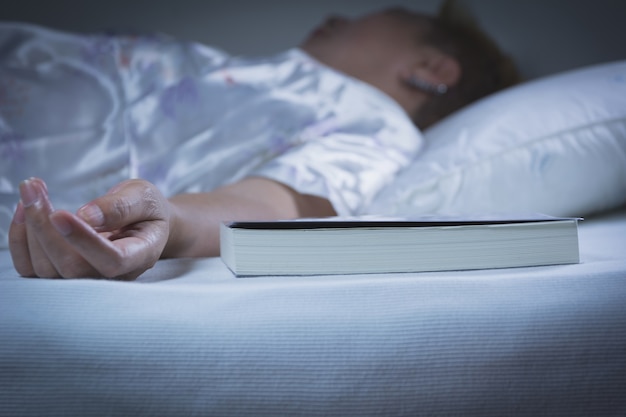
pixel 379 245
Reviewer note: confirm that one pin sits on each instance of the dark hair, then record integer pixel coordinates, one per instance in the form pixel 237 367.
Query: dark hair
pixel 484 68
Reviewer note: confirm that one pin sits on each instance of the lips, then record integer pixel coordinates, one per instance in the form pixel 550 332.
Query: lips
pixel 318 31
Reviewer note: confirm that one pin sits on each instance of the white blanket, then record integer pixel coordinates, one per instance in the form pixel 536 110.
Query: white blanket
pixel 188 338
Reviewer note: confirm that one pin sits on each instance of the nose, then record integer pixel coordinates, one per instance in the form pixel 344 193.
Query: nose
pixel 334 21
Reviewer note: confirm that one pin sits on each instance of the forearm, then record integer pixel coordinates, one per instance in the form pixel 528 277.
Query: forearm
pixel 195 218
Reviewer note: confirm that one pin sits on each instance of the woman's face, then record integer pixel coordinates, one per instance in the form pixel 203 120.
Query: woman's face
pixel 370 47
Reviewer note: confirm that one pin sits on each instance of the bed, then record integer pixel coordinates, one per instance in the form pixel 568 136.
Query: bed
pixel 189 338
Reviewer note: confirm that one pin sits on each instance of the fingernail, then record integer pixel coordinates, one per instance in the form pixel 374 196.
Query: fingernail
pixel 29 192
pixel 43 184
pixel 19 217
pixel 60 223
pixel 91 214
pixel 39 182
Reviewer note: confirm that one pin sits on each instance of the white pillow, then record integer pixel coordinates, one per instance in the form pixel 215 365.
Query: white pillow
pixel 555 145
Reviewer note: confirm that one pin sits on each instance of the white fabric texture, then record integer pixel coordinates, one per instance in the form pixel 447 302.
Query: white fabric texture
pixel 84 112
pixel 189 338
pixel 556 145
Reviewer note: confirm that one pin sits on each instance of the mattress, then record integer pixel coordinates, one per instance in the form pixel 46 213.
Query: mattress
pixel 189 338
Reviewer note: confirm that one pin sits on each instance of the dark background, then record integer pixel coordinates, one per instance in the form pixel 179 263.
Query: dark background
pixel 544 36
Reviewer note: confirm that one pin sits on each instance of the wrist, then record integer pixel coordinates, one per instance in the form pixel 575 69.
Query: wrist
pixel 173 246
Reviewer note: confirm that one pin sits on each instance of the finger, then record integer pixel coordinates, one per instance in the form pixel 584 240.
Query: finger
pixel 125 258
pixel 42 266
pixel 18 243
pixel 130 202
pixel 51 256
pixel 36 210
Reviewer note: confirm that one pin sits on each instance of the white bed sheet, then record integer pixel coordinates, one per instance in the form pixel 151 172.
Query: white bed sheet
pixel 188 338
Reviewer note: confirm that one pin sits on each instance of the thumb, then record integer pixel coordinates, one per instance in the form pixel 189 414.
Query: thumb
pixel 129 202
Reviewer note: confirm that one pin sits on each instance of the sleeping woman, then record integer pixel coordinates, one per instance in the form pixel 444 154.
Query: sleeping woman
pixel 163 140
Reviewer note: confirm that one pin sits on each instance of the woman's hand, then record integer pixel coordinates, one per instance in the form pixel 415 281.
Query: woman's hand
pixel 119 235
pixel 124 233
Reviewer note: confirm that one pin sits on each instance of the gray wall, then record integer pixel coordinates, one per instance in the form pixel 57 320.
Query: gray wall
pixel 545 36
